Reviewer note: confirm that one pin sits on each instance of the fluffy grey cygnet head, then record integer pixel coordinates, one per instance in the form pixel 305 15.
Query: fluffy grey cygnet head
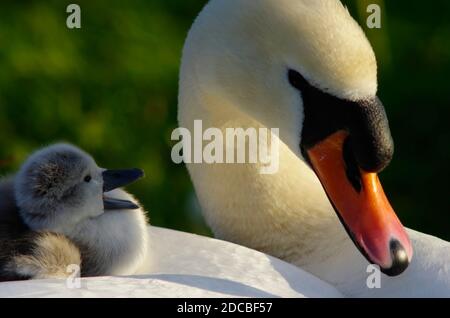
pixel 60 186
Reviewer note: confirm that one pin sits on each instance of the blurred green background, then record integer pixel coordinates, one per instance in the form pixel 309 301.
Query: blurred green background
pixel 111 88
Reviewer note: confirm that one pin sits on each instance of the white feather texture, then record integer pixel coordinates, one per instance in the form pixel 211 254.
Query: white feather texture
pixel 186 265
pixel 116 239
pixel 234 74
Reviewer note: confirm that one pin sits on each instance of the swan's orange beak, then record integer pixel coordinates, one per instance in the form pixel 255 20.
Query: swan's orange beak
pixel 362 206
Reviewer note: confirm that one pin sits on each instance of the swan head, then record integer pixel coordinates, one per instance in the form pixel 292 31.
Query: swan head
pixel 305 67
pixel 60 186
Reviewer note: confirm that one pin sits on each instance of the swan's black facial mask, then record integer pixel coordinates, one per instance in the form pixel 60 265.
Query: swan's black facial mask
pixel 365 120
pixel 346 143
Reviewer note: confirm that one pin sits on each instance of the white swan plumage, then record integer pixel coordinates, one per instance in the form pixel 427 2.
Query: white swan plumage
pixel 186 265
pixel 233 75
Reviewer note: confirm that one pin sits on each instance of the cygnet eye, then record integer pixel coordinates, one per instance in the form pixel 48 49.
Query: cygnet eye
pixel 87 179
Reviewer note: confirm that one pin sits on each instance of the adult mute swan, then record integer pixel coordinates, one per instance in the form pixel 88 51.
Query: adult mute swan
pixel 305 67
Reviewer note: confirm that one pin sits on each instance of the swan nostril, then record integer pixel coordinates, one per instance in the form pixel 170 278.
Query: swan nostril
pixel 400 261
pixel 351 166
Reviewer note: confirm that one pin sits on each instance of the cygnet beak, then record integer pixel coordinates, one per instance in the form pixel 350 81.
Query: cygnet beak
pixel 113 179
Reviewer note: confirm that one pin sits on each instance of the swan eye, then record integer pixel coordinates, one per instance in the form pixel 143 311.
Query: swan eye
pixel 297 80
pixel 87 179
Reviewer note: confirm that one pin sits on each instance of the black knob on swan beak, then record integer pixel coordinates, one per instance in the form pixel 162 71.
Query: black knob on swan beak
pixel 400 259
